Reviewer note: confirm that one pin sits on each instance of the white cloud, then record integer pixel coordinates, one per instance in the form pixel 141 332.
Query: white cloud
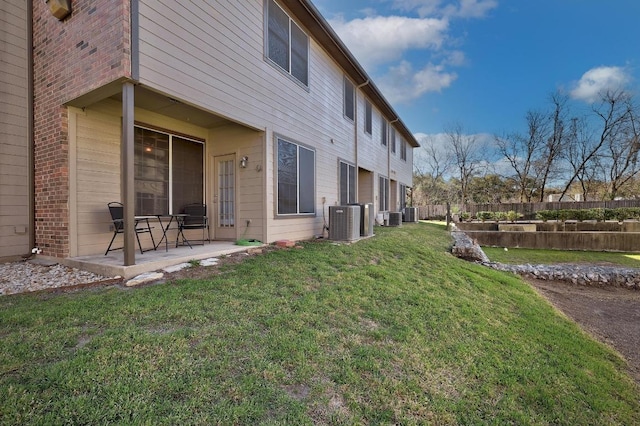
pixel 402 84
pixel 597 81
pixel 384 45
pixel 378 40
pixel 471 8
pixel 422 7
pixel 459 9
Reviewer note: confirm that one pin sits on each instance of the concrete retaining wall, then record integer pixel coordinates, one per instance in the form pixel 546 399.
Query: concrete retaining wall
pixel 556 226
pixel 597 241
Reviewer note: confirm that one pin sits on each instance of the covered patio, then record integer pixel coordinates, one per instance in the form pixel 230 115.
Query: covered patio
pixel 123 159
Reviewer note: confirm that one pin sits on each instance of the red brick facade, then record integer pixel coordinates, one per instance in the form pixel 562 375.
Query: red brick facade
pixel 85 51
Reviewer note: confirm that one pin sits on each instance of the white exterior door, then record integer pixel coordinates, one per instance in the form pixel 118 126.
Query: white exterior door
pixel 224 197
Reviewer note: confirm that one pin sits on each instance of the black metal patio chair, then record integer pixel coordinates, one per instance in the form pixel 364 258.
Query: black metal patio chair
pixel 142 226
pixel 196 218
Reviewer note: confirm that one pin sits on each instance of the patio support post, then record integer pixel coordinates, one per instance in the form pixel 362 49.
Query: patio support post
pixel 127 173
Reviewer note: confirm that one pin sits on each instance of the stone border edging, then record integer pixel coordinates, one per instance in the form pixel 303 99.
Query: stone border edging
pixel 466 248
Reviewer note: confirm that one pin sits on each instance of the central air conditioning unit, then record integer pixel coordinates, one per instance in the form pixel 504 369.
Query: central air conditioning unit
pixel 410 214
pixel 367 218
pixel 395 218
pixel 344 223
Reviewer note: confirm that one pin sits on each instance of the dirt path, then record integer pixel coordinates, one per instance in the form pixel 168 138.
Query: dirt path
pixel 610 314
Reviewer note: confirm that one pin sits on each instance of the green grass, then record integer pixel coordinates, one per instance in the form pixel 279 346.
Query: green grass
pixel 391 330
pixel 536 256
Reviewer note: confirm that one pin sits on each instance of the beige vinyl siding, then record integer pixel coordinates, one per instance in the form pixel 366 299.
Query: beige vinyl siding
pixel 97 179
pixel 403 169
pixel 372 155
pixel 14 128
pixel 366 187
pixel 250 181
pixel 394 201
pixel 211 55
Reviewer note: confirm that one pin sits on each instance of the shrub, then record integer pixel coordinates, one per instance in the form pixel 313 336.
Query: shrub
pixel 584 214
pixel 619 214
pixel 500 216
pixel 547 215
pixel 465 216
pixel 513 215
pixel 485 215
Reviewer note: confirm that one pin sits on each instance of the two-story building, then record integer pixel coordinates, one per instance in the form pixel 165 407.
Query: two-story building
pixel 254 108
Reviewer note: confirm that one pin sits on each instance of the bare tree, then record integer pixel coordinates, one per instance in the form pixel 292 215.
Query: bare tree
pixel 521 152
pixel 546 164
pixel 617 122
pixel 432 163
pixel 534 156
pixel 467 158
pixel 432 160
pixel 620 159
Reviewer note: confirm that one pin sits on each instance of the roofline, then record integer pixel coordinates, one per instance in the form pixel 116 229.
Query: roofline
pixel 327 37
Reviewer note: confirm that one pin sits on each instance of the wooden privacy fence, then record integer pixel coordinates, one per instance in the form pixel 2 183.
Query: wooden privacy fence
pixel 527 210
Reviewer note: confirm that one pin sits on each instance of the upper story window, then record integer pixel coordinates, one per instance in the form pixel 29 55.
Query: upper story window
pixel 287 45
pixel 403 150
pixel 383 132
pixel 367 117
pixel 349 99
pixel 393 140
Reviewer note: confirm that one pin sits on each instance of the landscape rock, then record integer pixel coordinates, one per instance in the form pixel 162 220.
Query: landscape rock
pixel 465 248
pixel 176 268
pixel 209 262
pixel 42 274
pixel 144 278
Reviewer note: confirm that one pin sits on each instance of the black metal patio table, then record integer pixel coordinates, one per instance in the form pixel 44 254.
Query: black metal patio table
pixel 178 219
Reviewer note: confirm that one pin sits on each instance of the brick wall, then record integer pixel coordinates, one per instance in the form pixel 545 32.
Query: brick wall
pixel 85 51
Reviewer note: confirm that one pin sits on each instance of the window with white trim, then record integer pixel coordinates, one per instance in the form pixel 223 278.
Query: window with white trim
pixel 287 44
pixel 168 172
pixel 368 117
pixel 347 183
pixel 383 194
pixel 296 178
pixel 403 196
pixel 384 132
pixel 403 150
pixel 349 99
pixel 393 140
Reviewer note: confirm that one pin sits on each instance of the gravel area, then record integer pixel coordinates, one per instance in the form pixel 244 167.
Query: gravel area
pixel 22 277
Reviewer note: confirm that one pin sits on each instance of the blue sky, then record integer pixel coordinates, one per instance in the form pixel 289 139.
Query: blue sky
pixel 485 63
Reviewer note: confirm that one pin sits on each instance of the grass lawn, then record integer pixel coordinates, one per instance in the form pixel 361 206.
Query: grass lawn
pixel 391 330
pixel 535 256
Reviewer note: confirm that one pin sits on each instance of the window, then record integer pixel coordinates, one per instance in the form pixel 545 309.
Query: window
pixel 383 193
pixel 403 197
pixel 383 132
pixel 393 140
pixel 287 45
pixel 349 99
pixel 296 179
pixel 168 172
pixel 403 150
pixel 347 183
pixel 367 117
